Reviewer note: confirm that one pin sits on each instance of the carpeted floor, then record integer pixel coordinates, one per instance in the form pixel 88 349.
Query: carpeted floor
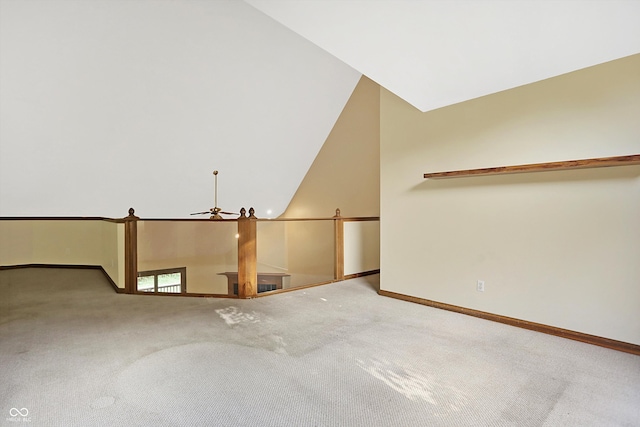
pixel 74 353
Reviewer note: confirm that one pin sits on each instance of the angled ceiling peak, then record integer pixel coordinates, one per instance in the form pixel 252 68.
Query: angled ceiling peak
pixel 437 53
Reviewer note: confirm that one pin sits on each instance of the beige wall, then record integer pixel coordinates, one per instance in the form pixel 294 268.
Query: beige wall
pixel 344 175
pixel 557 248
pixel 310 247
pixel 305 249
pixel 205 248
pixel 272 247
pixel 64 242
pixel 361 246
pixel 346 171
pixel 112 236
pixel 302 249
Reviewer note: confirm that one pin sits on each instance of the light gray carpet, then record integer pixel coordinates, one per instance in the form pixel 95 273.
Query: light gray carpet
pixel 74 353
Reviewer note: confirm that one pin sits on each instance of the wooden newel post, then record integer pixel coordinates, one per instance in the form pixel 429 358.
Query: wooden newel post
pixel 247 255
pixel 338 264
pixel 130 252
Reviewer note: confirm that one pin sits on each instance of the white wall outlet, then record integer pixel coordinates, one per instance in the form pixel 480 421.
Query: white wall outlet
pixel 480 286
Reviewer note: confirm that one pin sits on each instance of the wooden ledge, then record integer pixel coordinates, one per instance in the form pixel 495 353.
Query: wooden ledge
pixel 600 162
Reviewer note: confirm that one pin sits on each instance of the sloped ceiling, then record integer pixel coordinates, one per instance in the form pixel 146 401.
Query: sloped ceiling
pixel 434 53
pixel 109 104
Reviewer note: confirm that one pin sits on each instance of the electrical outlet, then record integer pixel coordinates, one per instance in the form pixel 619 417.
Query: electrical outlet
pixel 480 286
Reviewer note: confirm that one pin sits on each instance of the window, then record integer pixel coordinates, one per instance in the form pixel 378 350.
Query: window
pixel 173 281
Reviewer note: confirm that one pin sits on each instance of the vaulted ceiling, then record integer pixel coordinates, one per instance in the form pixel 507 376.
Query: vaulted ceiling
pixel 434 53
pixel 107 104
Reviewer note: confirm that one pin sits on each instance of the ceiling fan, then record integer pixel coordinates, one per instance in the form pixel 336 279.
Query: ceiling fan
pixel 215 212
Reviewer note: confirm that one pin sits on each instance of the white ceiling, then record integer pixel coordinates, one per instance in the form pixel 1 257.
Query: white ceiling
pixel 434 53
pixel 109 104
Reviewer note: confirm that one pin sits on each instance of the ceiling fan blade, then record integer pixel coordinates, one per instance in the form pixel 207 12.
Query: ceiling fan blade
pixel 228 213
pixel 201 213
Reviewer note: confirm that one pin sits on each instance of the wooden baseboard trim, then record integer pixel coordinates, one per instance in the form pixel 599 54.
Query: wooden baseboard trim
pixel 546 329
pixel 364 273
pixel 79 267
pixel 186 294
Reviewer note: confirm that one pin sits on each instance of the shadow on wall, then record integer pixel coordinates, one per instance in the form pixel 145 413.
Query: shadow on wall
pixel 373 281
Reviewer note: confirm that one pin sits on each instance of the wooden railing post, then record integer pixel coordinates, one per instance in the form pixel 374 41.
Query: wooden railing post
pixel 338 230
pixel 130 252
pixel 247 255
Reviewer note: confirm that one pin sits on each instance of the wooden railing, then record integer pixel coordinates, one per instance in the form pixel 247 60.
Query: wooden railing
pixel 312 250
pixel 244 283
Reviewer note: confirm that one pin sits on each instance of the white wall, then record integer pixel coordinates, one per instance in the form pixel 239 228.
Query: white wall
pixel 109 104
pixel 557 248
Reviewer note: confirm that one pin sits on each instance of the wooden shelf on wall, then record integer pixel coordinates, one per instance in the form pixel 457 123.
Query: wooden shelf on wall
pixel 600 162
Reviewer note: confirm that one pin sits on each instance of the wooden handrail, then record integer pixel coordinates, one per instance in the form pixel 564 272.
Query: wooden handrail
pixel 600 162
